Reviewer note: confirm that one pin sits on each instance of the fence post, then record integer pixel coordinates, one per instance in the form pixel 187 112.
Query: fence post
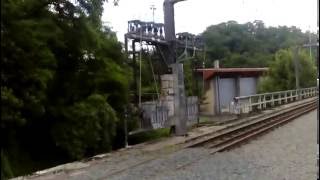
pixel 279 98
pixel 250 107
pixel 259 102
pixel 310 92
pixel 272 99
pixel 236 106
pixel 264 102
pixel 285 97
pixel 290 98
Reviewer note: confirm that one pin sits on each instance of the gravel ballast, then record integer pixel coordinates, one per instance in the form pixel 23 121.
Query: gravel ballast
pixel 286 153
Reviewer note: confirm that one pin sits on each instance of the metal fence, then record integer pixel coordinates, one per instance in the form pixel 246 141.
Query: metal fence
pixel 155 114
pixel 246 104
pixel 192 110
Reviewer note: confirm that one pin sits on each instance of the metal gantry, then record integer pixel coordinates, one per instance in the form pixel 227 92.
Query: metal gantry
pixel 167 43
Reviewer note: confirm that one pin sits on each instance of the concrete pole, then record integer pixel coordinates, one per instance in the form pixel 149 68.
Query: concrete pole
pixel 179 100
pixel 317 59
pixel 134 64
pixel 125 127
pixel 296 66
pixel 140 59
pixel 177 69
pixel 153 8
pixel 310 52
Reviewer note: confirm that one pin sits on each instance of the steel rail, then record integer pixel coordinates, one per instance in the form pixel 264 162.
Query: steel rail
pixel 285 113
pixel 239 126
pixel 251 133
pixel 250 127
pixel 245 137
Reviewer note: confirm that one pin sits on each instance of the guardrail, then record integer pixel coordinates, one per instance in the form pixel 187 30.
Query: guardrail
pixel 246 104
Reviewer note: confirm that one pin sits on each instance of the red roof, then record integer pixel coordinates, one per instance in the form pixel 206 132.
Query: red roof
pixel 210 72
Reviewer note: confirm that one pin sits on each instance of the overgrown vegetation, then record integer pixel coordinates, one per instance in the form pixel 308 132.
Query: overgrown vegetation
pixel 281 75
pixel 64 83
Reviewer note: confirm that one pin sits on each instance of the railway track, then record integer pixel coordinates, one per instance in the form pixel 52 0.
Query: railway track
pixel 234 135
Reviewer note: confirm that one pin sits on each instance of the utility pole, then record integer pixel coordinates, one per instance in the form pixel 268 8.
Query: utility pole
pixel 317 59
pixel 296 66
pixel 140 62
pixel 125 127
pixel 310 52
pixel 153 8
pixel 177 69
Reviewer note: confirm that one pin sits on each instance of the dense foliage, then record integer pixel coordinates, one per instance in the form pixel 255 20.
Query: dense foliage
pixel 64 82
pixel 281 75
pixel 251 44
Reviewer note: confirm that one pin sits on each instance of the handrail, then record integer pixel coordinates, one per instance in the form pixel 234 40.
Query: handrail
pixel 276 92
pixel 246 104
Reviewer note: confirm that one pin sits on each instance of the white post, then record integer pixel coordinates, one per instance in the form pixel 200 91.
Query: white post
pixel 285 97
pixel 259 102
pixel 309 92
pixel 279 98
pixel 272 100
pixel 250 107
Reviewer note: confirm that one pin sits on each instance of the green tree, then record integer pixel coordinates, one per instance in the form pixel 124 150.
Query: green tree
pixel 64 83
pixel 249 45
pixel 281 75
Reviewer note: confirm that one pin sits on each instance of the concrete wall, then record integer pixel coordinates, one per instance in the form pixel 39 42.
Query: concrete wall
pixel 207 105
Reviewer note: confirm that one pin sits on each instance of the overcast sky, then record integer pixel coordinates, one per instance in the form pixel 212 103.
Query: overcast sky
pixel 195 15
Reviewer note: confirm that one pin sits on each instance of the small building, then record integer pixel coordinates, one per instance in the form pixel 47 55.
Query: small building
pixel 221 85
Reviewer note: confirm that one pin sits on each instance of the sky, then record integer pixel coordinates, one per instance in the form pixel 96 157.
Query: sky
pixel 195 16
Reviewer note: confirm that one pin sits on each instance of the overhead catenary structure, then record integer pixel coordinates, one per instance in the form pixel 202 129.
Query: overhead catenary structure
pixel 163 37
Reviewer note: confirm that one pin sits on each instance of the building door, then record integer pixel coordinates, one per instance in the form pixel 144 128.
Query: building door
pixel 248 86
pixel 227 91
